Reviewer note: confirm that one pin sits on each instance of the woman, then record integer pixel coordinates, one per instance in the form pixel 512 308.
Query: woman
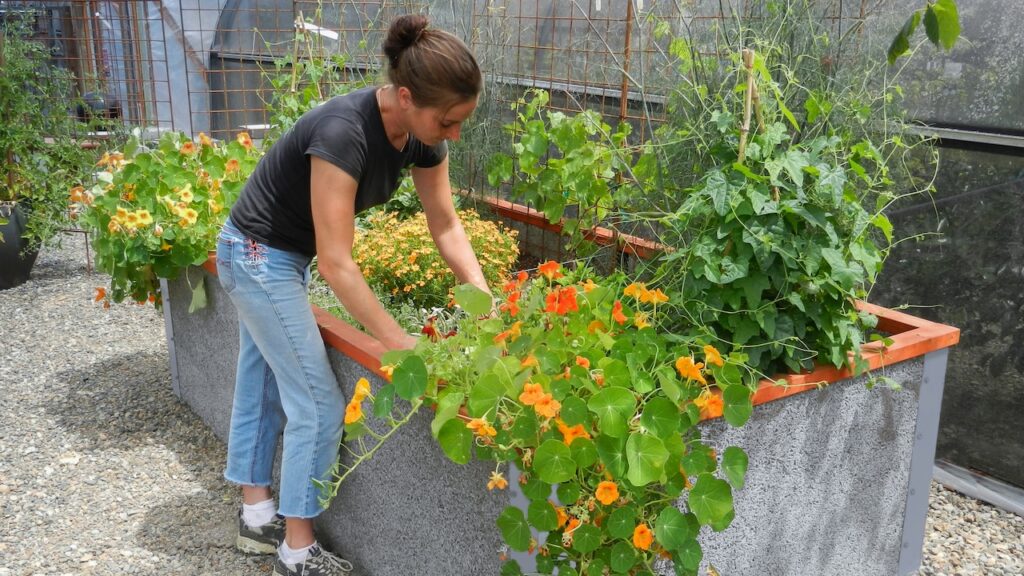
pixel 301 201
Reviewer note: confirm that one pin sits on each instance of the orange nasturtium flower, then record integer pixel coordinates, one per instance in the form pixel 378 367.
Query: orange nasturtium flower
pixel 584 362
pixel 387 371
pixel 550 270
pixel 531 394
pixel 353 412
pixel 547 406
pixel 77 194
pixel 710 404
pixel 362 390
pixel 561 515
pixel 640 320
pixel 574 523
pixel 481 427
pixel 596 325
pixel 617 314
pixel 187 148
pixel 642 537
pixel 636 289
pixel 204 140
pixel 244 139
pixel 690 370
pixel 653 297
pixel 571 433
pixel 231 166
pixel 101 293
pixel 712 356
pixel 607 492
pixel 530 360
pixel 497 481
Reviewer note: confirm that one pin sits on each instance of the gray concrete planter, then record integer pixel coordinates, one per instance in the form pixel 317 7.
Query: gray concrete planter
pixel 837 485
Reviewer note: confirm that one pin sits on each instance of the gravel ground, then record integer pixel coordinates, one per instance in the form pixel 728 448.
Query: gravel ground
pixel 103 471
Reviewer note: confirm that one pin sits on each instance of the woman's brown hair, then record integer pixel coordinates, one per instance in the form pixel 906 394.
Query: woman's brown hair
pixel 437 68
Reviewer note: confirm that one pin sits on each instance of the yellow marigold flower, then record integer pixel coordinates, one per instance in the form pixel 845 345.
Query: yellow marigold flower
pixel 531 394
pixel 188 148
pixel 547 406
pixel 640 320
pixel 244 139
pixel 690 370
pixel 607 492
pixel 362 390
pixel 497 481
pixel 712 356
pixel 353 412
pixel 642 537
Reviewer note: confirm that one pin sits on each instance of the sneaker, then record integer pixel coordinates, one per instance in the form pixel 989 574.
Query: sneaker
pixel 261 540
pixel 320 562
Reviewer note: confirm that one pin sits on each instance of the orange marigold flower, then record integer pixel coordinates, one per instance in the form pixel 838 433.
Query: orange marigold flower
pixel 710 404
pixel 642 537
pixel 532 393
pixel 607 492
pixel 244 139
pixel 617 314
pixel 584 362
pixel 353 412
pixel 497 481
pixel 547 406
pixel 362 389
pixel 101 293
pixel 690 370
pixel 550 270
pixel 712 356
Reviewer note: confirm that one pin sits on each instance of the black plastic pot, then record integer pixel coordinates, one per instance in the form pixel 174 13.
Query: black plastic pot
pixel 15 261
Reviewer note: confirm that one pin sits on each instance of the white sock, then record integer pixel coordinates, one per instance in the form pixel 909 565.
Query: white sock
pixel 258 514
pixel 293 557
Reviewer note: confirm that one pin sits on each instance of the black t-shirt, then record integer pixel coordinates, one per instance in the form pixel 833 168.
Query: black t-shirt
pixel 346 131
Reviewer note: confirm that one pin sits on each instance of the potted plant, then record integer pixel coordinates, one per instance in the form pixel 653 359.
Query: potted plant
pixel 38 151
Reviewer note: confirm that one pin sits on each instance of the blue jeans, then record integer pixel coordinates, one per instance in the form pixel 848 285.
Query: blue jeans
pixel 284 381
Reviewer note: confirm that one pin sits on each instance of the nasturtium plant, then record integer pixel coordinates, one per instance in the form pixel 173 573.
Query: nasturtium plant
pixel 157 207
pixel 552 383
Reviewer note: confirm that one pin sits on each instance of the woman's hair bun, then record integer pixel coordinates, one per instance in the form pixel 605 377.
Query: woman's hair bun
pixel 404 32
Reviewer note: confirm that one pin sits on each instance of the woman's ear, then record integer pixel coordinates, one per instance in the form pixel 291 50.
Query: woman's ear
pixel 405 98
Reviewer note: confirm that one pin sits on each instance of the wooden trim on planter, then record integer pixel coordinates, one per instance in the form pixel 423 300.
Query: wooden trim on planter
pixel 911 337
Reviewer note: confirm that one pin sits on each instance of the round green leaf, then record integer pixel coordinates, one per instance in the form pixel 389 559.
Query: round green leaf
pixel 384 401
pixel 614 407
pixel 616 373
pixel 734 463
pixel 525 429
pixel 542 515
pixel 534 489
pixel 622 522
pixel 514 528
pixel 511 568
pixel 553 462
pixel 473 300
pixel 456 440
pixel 623 557
pixel 586 538
pixel 738 404
pixel 584 452
pixel 613 454
pixel 673 529
pixel 596 567
pixel 710 500
pixel 484 396
pixel 410 378
pixel 574 411
pixel 690 554
pixel 568 493
pixel 661 417
pixel 646 455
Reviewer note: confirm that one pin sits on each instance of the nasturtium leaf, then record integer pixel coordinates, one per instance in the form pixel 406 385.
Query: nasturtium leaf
pixel 690 554
pixel 737 404
pixel 410 378
pixel 542 515
pixel 596 567
pixel 614 406
pixel 723 522
pixel 511 568
pixel 514 528
pixel 734 464
pixel 456 440
pixel 623 557
pixel 506 370
pixel 616 373
pixel 535 489
pixel 673 529
pixel 586 538
pixel 574 411
pixel 525 429
pixel 584 452
pixel 646 455
pixel 568 493
pixel 613 453
pixel 553 462
pixel 546 565
pixel 667 380
pixel 384 401
pixel 661 417
pixel 901 42
pixel 621 522
pixel 447 408
pixel 198 296
pixel 473 300
pixel 710 500
pixel 484 396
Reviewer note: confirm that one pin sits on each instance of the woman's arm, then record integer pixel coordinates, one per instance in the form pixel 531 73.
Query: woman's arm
pixel 435 193
pixel 333 201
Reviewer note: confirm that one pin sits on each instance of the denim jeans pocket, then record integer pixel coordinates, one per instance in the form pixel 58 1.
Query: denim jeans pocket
pixel 226 246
